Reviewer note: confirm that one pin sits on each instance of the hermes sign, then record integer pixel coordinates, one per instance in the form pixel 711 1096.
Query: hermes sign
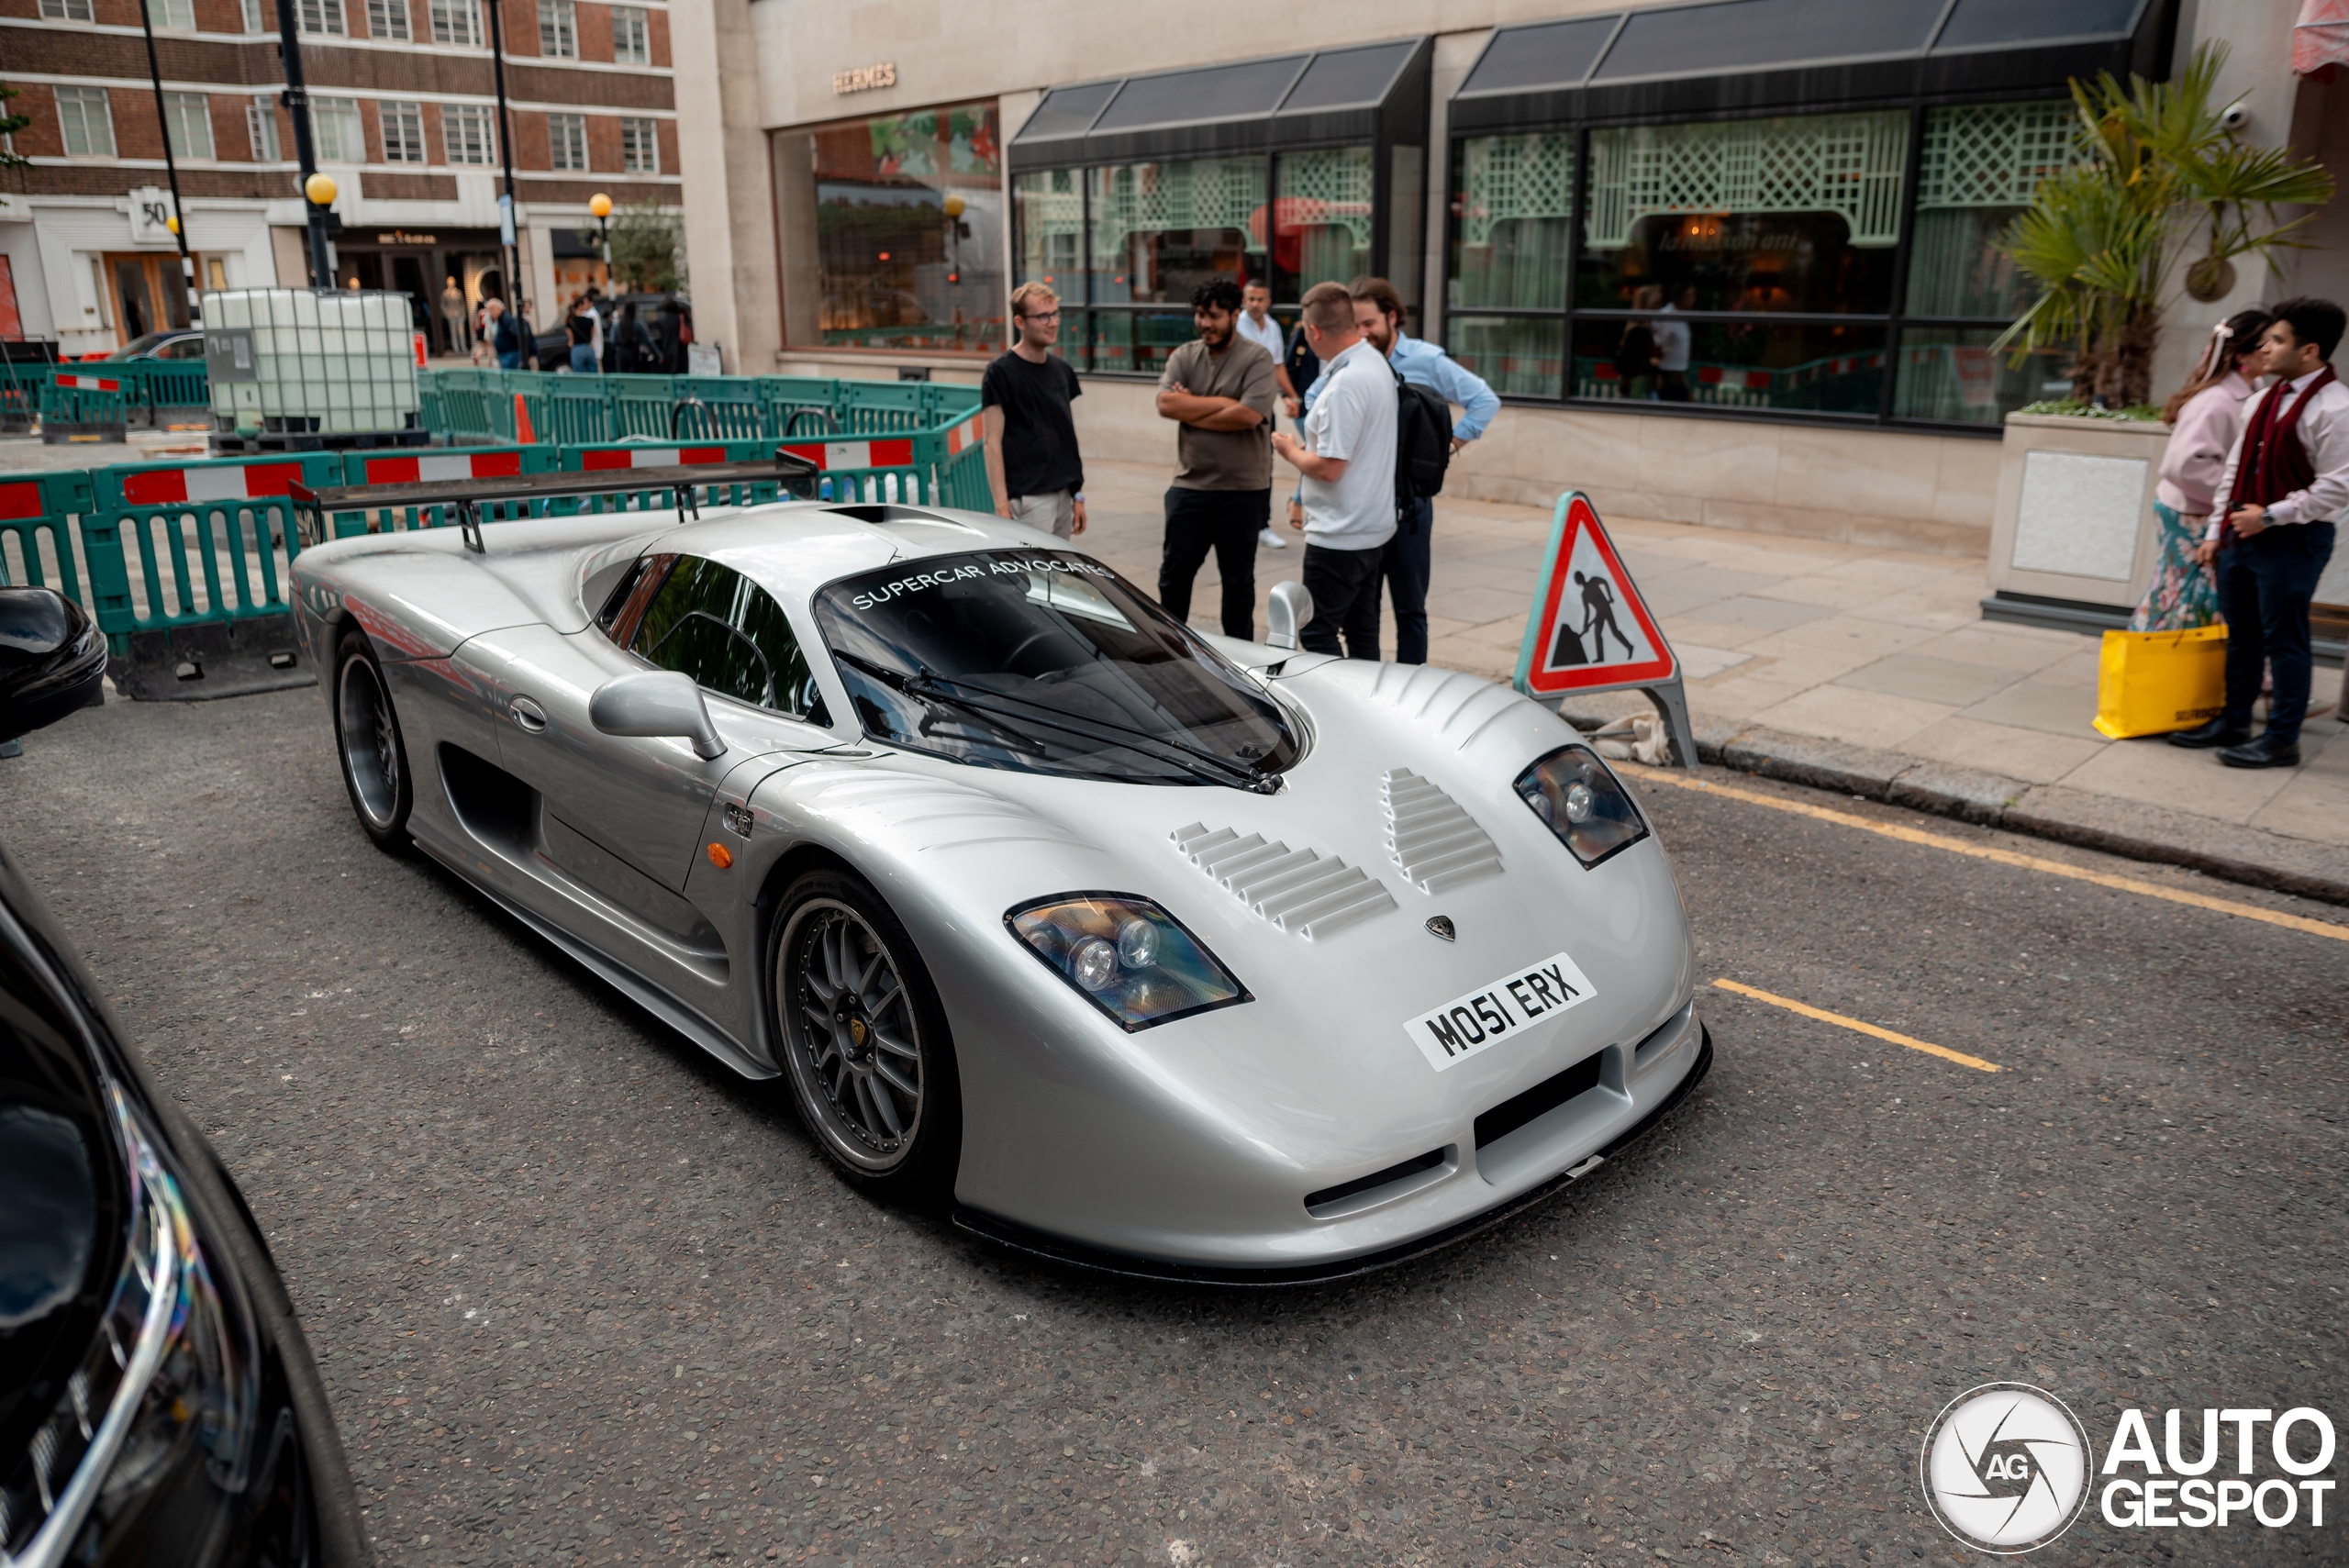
pixel 865 78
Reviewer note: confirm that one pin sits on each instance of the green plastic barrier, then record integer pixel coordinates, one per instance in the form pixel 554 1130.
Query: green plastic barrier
pixel 40 518
pixel 85 403
pixel 641 405
pixel 172 394
pixel 720 408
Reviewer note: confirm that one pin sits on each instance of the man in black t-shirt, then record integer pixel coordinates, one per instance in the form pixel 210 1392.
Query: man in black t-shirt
pixel 1033 470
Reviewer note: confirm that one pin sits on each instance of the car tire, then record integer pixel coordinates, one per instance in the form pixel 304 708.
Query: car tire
pixel 368 741
pixel 869 1063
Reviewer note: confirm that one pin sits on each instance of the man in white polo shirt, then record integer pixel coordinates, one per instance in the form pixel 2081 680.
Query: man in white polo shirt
pixel 1348 461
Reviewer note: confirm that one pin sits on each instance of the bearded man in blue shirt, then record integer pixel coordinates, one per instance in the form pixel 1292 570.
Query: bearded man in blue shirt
pixel 1378 312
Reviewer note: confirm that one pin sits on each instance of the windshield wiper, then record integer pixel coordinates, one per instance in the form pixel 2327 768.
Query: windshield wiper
pixel 935 700
pixel 1226 770
pixel 1203 765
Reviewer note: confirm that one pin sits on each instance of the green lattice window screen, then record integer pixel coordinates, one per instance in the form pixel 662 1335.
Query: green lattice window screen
pixel 1206 192
pixel 1331 186
pixel 1503 178
pixel 1995 154
pixel 1052 222
pixel 1847 164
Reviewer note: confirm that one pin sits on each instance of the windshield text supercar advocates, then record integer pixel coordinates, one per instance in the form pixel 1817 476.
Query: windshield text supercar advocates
pixel 1462 1028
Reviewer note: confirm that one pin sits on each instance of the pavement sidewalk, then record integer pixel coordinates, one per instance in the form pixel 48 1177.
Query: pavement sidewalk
pixel 1869 671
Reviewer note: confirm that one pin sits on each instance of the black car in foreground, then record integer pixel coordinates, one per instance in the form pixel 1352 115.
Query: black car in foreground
pixel 158 1402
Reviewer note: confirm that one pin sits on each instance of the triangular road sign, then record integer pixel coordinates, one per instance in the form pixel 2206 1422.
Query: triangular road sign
pixel 1587 630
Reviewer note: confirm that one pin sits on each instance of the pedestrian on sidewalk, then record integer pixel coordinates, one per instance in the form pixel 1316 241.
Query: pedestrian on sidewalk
pixel 581 327
pixel 1257 325
pixel 1033 470
pixel 1300 368
pixel 1378 312
pixel 1348 461
pixel 2204 416
pixel 505 336
pixel 1220 388
pixel 2285 485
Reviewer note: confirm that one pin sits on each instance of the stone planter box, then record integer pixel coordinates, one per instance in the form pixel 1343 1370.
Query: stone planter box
pixel 2074 540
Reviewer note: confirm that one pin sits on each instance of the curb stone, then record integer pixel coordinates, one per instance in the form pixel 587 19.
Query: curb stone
pixel 2234 852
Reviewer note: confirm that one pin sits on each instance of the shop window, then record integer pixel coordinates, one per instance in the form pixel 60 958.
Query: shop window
pixel 470 129
pixel 1953 375
pixel 1322 209
pixel 1134 342
pixel 403 131
pixel 1048 207
pixel 261 126
pixel 1752 215
pixel 387 20
pixel 83 121
pixel 187 120
pixel 67 10
pixel 321 17
pixel 455 22
pixel 640 146
pixel 1518 356
pixel 1512 234
pixel 335 128
pixel 567 141
pixel 631 35
pixel 1811 369
pixel 1162 229
pixel 891 231
pixel 1980 166
pixel 558 29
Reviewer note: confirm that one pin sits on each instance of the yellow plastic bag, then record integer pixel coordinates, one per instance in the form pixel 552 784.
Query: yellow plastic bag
pixel 2150 683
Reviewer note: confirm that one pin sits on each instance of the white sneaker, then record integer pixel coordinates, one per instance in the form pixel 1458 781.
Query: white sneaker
pixel 1272 540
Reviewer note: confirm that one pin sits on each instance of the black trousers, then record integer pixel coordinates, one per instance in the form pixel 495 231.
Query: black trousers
pixel 1225 521
pixel 1344 585
pixel 1408 566
pixel 2265 586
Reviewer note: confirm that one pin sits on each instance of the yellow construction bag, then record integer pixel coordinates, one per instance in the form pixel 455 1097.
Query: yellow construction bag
pixel 2150 683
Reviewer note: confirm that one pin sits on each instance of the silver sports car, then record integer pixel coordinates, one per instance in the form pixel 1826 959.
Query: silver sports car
pixel 1150 950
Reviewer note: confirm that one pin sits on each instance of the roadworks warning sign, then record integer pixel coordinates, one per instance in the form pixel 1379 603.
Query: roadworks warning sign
pixel 1588 629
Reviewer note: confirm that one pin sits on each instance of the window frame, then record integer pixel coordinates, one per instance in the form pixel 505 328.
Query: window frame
pixel 483 116
pixel 1894 323
pixel 644 132
pixel 410 115
pixel 390 19
pixel 167 15
pixel 333 21
pixel 68 11
pixel 567 135
pixel 178 108
pixel 558 29
pixel 332 105
pixel 261 128
pixel 83 99
pixel 640 34
pixel 436 12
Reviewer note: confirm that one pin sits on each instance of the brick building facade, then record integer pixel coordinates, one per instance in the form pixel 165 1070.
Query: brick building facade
pixel 405 119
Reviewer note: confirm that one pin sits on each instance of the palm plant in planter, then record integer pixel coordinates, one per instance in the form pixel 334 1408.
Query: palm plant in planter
pixel 2158 170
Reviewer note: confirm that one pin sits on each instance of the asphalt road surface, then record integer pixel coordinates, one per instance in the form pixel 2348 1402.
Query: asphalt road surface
pixel 583 1296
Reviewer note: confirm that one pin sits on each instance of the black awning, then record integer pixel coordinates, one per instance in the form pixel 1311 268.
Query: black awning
pixel 1756 56
pixel 1338 95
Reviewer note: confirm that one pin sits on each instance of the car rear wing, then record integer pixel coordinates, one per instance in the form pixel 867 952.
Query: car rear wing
pixel 468 501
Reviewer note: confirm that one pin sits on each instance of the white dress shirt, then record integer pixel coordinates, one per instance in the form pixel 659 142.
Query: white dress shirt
pixel 1265 334
pixel 2324 431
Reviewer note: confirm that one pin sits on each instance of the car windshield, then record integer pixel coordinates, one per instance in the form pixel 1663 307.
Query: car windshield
pixel 1046 662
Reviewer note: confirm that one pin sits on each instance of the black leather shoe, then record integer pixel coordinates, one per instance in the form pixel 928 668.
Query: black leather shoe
pixel 2217 732
pixel 2264 752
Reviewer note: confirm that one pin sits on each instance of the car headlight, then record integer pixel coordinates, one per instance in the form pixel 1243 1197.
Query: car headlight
pixel 1131 959
pixel 158 1417
pixel 1581 802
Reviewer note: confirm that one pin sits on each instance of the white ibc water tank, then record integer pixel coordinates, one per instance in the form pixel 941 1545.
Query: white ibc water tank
pixel 323 361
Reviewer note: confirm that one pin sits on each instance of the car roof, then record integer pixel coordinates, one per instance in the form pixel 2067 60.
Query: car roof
pixel 795 548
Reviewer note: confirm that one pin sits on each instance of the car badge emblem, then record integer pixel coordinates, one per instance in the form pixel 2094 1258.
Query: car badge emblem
pixel 1442 925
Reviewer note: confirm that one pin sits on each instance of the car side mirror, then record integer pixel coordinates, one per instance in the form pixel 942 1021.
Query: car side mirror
pixel 53 658
pixel 1291 608
pixel 656 704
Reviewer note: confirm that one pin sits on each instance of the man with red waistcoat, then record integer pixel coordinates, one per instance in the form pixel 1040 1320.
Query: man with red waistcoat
pixel 2286 484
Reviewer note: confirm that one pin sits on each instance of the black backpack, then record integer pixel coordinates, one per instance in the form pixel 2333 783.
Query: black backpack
pixel 1422 440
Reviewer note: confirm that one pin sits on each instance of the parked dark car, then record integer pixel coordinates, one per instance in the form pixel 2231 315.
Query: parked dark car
pixel 178 343
pixel 659 313
pixel 158 1402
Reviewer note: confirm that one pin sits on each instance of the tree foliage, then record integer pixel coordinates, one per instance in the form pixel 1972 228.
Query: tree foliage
pixel 648 248
pixel 10 123
pixel 2103 240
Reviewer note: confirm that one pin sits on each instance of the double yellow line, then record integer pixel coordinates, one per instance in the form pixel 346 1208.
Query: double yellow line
pixel 1840 1021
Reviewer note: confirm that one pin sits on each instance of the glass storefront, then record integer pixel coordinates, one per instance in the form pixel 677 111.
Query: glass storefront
pixel 893 231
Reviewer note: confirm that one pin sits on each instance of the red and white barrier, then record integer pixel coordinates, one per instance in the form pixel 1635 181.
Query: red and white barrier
pixel 437 466
pixel 651 457
pixel 172 486
pixel 895 452
pixel 90 382
pixel 970 433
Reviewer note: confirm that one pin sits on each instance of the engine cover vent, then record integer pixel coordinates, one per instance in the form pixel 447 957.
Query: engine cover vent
pixel 1297 889
pixel 1430 836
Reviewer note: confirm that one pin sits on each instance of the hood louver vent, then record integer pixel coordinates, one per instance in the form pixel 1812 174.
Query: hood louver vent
pixel 1437 844
pixel 1297 889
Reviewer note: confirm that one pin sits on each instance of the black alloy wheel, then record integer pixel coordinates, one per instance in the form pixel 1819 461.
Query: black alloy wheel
pixel 866 1051
pixel 367 736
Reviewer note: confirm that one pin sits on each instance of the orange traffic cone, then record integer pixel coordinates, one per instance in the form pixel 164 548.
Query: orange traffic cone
pixel 522 431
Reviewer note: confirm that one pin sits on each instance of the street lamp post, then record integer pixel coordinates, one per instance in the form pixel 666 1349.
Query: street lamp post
pixel 600 206
pixel 171 172
pixel 298 104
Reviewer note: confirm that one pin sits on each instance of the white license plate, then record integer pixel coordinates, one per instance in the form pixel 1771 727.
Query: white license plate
pixel 1507 1007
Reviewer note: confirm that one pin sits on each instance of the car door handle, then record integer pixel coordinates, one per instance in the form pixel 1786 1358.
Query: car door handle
pixel 528 715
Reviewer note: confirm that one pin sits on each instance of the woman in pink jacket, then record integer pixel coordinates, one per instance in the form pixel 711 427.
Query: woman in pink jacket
pixel 2204 416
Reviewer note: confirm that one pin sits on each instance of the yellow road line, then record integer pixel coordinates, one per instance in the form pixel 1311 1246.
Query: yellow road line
pixel 2339 933
pixel 1840 1021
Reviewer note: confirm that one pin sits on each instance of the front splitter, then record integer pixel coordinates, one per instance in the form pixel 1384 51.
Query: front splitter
pixel 1017 1238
